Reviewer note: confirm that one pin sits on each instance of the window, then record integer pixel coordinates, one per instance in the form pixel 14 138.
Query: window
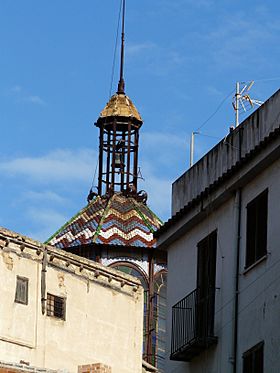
pixel 206 285
pixel 256 238
pixel 193 316
pixel 21 290
pixel 253 359
pixel 56 306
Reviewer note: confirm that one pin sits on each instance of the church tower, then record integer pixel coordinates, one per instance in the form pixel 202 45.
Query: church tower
pixel 116 227
pixel 119 125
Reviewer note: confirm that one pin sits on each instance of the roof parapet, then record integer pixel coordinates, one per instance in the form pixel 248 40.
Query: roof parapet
pixel 11 241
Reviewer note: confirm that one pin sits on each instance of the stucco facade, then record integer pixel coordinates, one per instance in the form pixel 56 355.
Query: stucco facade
pixel 215 196
pixel 103 310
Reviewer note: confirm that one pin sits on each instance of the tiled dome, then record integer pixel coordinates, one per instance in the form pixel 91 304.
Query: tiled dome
pixel 118 220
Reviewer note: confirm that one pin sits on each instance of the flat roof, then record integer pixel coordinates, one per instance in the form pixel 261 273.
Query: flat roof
pixel 225 159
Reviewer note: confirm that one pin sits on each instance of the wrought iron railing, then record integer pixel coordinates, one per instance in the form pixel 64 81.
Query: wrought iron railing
pixel 193 324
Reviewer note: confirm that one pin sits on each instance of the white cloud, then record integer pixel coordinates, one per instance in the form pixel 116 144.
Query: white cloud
pixel 161 153
pixel 22 95
pixel 159 195
pixel 185 5
pixel 42 176
pixel 45 196
pixel 48 221
pixel 35 100
pixel 164 149
pixel 16 89
pixel 58 165
pixel 237 39
pixel 156 59
pixel 47 216
pixel 213 91
pixel 135 49
pixel 161 140
pixel 165 158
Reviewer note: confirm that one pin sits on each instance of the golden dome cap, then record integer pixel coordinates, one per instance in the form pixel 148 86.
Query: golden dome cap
pixel 120 106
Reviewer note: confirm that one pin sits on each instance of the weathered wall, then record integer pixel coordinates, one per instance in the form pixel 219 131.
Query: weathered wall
pixel 182 257
pixel 259 307
pixel 103 314
pixel 259 300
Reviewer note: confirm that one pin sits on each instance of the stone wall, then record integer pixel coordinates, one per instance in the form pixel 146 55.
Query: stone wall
pixel 103 315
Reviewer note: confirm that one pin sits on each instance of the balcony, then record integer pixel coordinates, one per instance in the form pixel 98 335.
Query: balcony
pixel 193 325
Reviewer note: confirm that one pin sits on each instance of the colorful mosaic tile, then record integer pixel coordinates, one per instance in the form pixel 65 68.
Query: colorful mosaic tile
pixel 116 221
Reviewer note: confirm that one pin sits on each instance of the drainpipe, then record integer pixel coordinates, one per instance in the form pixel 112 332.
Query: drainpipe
pixel 236 298
pixel 238 239
pixel 150 307
pixel 43 280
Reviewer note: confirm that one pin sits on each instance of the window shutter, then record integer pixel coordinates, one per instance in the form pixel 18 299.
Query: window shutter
pixel 21 295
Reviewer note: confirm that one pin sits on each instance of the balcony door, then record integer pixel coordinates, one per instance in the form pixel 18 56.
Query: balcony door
pixel 206 284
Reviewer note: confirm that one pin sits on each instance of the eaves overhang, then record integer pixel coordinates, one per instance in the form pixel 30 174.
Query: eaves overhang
pixel 88 249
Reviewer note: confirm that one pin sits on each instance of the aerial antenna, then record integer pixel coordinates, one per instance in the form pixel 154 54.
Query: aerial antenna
pixel 242 100
pixel 121 81
pixel 192 147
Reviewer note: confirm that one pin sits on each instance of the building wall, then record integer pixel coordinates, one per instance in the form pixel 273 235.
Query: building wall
pixel 103 314
pixel 259 299
pixel 182 255
pixel 259 308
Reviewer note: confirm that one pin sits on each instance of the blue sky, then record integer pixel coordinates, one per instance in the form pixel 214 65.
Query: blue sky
pixel 182 59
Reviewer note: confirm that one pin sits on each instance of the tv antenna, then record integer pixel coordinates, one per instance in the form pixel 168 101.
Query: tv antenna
pixel 192 146
pixel 242 99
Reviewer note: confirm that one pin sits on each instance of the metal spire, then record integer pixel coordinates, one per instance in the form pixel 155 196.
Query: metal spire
pixel 121 81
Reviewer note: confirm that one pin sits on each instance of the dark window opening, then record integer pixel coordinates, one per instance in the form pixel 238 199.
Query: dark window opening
pixel 56 306
pixel 193 316
pixel 256 237
pixel 206 284
pixel 21 290
pixel 253 359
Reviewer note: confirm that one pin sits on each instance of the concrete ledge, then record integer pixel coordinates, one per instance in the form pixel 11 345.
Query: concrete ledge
pixel 6 367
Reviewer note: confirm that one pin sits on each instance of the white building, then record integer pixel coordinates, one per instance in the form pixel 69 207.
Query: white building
pixel 60 312
pixel 223 254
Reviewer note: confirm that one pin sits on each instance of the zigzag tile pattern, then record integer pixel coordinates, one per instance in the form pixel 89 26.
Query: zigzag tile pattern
pixel 117 221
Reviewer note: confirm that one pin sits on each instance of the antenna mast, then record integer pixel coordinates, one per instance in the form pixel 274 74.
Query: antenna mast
pixel 242 99
pixel 237 97
pixel 121 81
pixel 192 147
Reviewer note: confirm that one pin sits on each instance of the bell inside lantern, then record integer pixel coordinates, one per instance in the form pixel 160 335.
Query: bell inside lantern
pixel 118 160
